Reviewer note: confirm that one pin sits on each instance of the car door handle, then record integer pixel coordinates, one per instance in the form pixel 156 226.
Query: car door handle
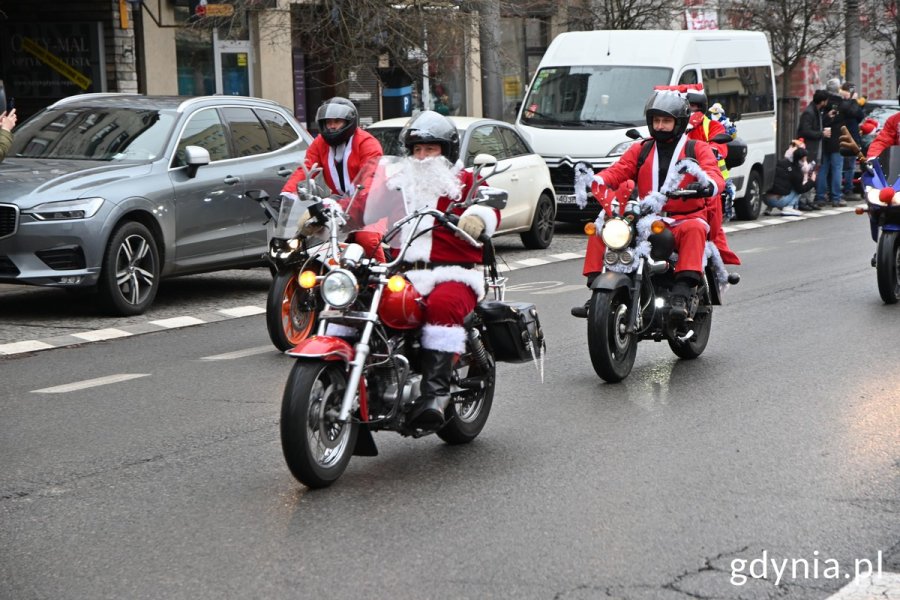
pixel 284 172
pixel 231 180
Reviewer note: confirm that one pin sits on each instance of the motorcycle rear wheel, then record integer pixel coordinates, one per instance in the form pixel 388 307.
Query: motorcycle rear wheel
pixel 886 264
pixel 467 418
pixel 612 350
pixel 316 447
pixel 695 346
pixel 290 311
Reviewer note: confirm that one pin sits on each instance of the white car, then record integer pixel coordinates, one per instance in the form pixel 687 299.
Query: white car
pixel 531 208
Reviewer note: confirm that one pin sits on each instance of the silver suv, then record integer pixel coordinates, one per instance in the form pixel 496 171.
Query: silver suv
pixel 118 191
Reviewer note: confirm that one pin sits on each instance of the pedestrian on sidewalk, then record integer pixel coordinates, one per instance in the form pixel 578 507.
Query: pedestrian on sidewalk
pixel 810 129
pixel 793 178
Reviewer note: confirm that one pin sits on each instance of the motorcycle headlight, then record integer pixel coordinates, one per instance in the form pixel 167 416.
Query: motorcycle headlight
pixel 627 257
pixel 611 257
pixel 84 208
pixel 616 234
pixel 339 288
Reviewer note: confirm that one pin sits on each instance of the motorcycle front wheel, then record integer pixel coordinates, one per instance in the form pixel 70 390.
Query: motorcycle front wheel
pixel 290 311
pixel 468 412
pixel 316 446
pixel 886 264
pixel 702 327
pixel 611 348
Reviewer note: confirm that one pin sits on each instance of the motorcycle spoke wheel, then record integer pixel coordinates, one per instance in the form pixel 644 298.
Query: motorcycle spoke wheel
pixel 469 409
pixel 887 264
pixel 290 311
pixel 316 446
pixel 612 349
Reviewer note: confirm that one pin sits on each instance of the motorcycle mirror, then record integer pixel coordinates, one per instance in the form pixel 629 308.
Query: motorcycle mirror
pixel 492 197
pixel 633 134
pixel 484 160
pixel 257 195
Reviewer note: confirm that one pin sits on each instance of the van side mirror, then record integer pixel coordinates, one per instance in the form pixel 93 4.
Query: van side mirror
pixel 633 134
pixel 195 157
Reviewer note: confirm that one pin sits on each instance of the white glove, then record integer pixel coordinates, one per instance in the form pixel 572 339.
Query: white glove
pixel 472 225
pixel 336 211
pixel 599 180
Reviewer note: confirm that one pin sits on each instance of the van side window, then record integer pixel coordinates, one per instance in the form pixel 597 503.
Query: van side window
pixel 740 90
pixel 689 76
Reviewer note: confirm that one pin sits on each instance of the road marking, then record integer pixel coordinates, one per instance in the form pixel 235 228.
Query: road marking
pixel 101 334
pixel 178 322
pixel 534 262
pixel 89 383
pixel 26 346
pixel 567 255
pixel 866 587
pixel 241 353
pixel 243 311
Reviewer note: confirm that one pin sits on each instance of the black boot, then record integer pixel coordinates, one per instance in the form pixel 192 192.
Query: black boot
pixel 681 296
pixel 581 311
pixel 428 413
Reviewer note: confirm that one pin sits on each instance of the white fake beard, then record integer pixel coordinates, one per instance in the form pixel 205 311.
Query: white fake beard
pixel 423 182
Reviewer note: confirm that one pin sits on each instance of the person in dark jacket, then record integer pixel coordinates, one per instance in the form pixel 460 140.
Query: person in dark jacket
pixel 853 117
pixel 810 129
pixel 828 182
pixel 793 178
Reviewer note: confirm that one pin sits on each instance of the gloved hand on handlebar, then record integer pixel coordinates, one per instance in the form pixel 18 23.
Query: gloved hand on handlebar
pixel 472 225
pixel 704 190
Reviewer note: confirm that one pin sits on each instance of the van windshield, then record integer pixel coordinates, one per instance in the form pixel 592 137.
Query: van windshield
pixel 591 97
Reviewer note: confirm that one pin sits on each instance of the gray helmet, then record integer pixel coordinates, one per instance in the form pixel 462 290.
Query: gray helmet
pixel 337 108
pixel 429 127
pixel 667 104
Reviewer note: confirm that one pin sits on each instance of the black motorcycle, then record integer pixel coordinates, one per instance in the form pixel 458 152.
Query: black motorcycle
pixel 883 208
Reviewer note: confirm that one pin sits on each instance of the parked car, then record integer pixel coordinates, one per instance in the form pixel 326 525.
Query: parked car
pixel 531 208
pixel 118 191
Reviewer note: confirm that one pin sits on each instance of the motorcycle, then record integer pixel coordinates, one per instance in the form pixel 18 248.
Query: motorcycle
pixel 291 310
pixel 360 373
pixel 883 208
pixel 630 298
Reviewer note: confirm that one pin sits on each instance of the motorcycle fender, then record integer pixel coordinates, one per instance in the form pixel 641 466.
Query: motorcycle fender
pixel 365 443
pixel 323 347
pixel 611 280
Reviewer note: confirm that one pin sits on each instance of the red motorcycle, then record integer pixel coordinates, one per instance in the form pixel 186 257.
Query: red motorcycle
pixel 361 372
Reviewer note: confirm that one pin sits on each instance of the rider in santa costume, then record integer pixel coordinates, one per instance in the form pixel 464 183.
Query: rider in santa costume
pixel 667 114
pixel 444 268
pixel 341 149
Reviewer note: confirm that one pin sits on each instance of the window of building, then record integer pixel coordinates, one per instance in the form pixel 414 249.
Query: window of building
pixel 523 41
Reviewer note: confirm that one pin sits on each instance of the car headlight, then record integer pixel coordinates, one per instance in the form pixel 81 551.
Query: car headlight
pixel 616 234
pixel 84 208
pixel 339 288
pixel 620 149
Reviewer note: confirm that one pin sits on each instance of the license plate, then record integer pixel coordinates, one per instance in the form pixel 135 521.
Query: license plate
pixel 565 199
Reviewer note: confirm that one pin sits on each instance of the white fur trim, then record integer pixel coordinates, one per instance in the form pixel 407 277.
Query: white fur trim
pixel 425 280
pixel 487 216
pixel 345 161
pixel 583 179
pixel 420 248
pixel 443 338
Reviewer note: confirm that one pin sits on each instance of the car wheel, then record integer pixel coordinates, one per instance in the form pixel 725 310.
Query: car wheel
pixel 541 233
pixel 130 273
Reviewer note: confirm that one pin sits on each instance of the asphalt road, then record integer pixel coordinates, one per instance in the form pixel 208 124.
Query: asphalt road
pixel 781 442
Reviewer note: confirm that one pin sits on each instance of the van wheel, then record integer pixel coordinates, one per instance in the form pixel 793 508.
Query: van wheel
pixel 748 207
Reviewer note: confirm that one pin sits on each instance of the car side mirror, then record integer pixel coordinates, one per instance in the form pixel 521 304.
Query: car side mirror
pixel 195 157
pixel 484 160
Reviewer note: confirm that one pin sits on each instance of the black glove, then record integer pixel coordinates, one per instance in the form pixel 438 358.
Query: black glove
pixel 704 190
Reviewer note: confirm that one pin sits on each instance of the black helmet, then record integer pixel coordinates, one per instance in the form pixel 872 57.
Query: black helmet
pixel 667 104
pixel 430 127
pixel 337 108
pixel 699 98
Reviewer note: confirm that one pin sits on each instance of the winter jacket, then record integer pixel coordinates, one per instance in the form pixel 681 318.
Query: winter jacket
pixel 6 140
pixel 362 148
pixel 832 144
pixel 853 116
pixel 810 129
pixel 789 177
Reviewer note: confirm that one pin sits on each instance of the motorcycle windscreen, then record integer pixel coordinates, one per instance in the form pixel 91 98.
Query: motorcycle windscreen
pixel 398 186
pixel 289 216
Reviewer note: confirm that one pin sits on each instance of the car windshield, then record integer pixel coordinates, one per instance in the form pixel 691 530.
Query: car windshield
pixel 94 133
pixel 591 97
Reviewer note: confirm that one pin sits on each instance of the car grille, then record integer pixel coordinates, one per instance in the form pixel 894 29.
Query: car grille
pixel 9 219
pixel 7 268
pixel 63 259
pixel 563 178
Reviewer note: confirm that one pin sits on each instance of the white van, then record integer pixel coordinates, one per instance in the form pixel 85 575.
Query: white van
pixel 591 87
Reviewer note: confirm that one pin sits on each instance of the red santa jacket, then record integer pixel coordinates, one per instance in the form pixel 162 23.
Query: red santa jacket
pixel 362 148
pixel 648 178
pixel 886 138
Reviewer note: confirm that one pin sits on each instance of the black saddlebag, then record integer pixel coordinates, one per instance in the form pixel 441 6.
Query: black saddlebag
pixel 513 330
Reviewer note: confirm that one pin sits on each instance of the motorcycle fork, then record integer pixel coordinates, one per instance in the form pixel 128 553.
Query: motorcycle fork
pixel 361 354
pixel 634 323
